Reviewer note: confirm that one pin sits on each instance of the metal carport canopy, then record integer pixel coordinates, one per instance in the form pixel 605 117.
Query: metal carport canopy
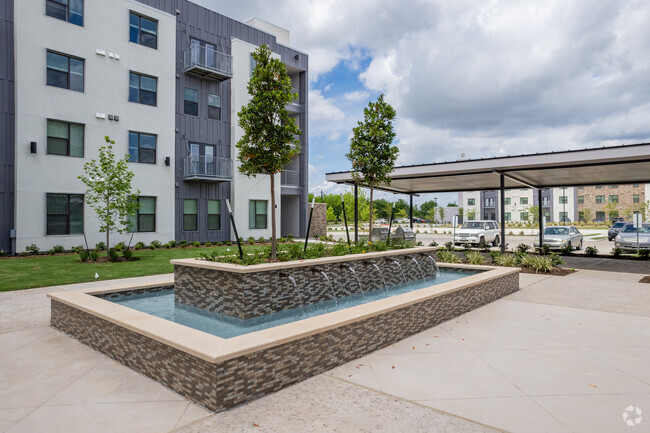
pixel 605 165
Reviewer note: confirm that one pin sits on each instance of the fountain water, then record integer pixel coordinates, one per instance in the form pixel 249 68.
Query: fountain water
pixel 374 265
pixel 354 274
pixel 418 265
pixel 295 289
pixel 435 265
pixel 391 260
pixel 329 284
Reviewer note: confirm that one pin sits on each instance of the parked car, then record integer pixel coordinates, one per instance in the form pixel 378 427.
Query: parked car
pixel 478 232
pixel 381 221
pixel 598 220
pixel 627 237
pixel 614 229
pixel 557 237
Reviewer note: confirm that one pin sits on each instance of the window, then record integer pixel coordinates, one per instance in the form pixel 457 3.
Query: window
pixel 523 200
pixel 599 187
pixel 471 202
pixel 613 199
pixel 564 199
pixel 508 216
pixel 65 214
pixel 581 199
pixel 547 215
pixel 142 148
pixel 581 187
pixel 564 216
pixel 636 185
pixel 635 198
pixel 489 202
pixel 65 139
pixel 191 98
pixel 190 213
pixel 253 64
pixel 600 199
pixel 142 89
pixel 143 30
pixel 145 218
pixel 214 214
pixel 544 201
pixel 613 186
pixel 65 71
pixel 507 200
pixel 214 106
pixel 581 215
pixel 257 214
pixel 600 215
pixel 523 216
pixel 71 11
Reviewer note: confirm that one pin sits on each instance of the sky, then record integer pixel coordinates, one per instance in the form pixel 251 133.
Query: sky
pixel 480 78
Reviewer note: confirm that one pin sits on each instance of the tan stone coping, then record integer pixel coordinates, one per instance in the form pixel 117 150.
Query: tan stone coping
pixel 279 266
pixel 216 349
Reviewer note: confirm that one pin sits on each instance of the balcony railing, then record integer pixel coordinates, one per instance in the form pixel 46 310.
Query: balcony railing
pixel 207 168
pixel 297 100
pixel 290 178
pixel 207 62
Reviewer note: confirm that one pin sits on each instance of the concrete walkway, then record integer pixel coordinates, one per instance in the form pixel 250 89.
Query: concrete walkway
pixel 564 354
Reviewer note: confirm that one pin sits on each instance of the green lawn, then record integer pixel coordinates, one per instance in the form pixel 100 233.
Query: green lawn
pixel 40 271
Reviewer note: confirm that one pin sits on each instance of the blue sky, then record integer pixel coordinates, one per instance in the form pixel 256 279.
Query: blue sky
pixel 480 78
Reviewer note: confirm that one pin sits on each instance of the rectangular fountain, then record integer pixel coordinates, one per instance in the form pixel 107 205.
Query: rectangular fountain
pixel 236 333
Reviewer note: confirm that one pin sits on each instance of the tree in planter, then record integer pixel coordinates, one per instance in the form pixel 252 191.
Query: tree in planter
pixel 587 215
pixel 441 212
pixel 269 141
pixel 109 192
pixel 611 209
pixel 371 153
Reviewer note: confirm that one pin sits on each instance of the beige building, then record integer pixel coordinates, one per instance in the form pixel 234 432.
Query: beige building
pixel 604 202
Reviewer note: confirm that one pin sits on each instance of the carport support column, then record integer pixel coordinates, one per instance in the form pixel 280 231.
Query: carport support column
pixel 411 210
pixel 539 216
pixel 356 213
pixel 502 206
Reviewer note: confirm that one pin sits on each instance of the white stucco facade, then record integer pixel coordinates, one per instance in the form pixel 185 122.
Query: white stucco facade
pixel 560 207
pixel 470 201
pixel 518 201
pixel 106 91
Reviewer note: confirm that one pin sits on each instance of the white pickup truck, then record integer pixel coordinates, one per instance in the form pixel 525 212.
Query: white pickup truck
pixel 478 232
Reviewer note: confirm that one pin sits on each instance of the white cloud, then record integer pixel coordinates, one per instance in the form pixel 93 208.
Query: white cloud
pixel 357 95
pixel 323 109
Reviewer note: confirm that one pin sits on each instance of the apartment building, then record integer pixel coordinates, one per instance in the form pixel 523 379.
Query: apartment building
pixel 605 202
pixel 165 80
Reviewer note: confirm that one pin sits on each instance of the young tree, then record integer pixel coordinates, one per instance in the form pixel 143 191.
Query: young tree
pixel 371 153
pixel 269 142
pixel 441 212
pixel 587 214
pixel 109 191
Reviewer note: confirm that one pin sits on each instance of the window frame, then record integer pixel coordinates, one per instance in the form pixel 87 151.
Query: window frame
pixel 489 202
pixel 194 104
pixel 581 199
pixel 155 149
pixel 506 200
pixel 523 200
pixel 563 199
pixel 140 90
pixel 471 202
pixel 636 198
pixel 196 215
pixel 214 106
pixel 58 3
pixel 600 199
pixel 253 204
pixel 67 73
pixel 141 30
pixel 69 124
pixel 218 214
pixel 138 214
pixel 613 198
pixel 67 214
pixel 521 216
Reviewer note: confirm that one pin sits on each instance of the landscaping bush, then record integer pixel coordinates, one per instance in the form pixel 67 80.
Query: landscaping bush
pixel 544 249
pixel 282 239
pixel 120 246
pixel 140 245
pixel 228 243
pixel 510 260
pixel 218 243
pixel 172 243
pixel 540 263
pixel 448 256
pixel 94 256
pixel 475 258
pixel 556 259
pixel 433 244
pixel 251 240
pixel 617 252
pixel 113 256
pixel 168 245
pixel 50 252
pixel 127 254
pixel 261 240
pixel 58 249
pixel 208 244
pixel 155 244
pixel 84 255
pixel 523 248
pixel 32 249
pixel 449 245
pixel 591 251
pixel 196 244
pixel 315 251
pixel 566 250
pixel 290 238
pixel 182 243
pixel 644 253
pixel 100 246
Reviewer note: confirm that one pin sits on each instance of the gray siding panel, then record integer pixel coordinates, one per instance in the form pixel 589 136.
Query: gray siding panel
pixel 7 123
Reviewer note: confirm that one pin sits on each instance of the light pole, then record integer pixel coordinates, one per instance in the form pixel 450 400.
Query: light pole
pixel 435 200
pixel 564 199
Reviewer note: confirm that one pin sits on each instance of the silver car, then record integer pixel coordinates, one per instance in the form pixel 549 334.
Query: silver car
pixel 626 238
pixel 557 237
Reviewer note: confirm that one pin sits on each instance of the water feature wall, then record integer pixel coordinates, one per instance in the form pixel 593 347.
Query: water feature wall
pixel 252 291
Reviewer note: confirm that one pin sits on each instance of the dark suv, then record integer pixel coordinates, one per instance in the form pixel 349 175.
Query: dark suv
pixel 614 229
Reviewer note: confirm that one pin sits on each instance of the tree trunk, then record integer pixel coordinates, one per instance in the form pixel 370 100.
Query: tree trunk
pixel 108 232
pixel 370 214
pixel 274 252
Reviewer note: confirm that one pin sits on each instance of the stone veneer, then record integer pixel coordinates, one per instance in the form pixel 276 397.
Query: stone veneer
pixel 246 295
pixel 318 226
pixel 224 384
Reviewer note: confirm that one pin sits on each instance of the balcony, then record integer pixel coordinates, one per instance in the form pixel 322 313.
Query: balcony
pixel 295 106
pixel 207 63
pixel 290 178
pixel 207 169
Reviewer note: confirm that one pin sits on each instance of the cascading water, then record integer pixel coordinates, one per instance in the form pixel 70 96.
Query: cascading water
pixel 354 274
pixel 400 269
pixel 295 289
pixel 329 284
pixel 418 265
pixel 435 265
pixel 374 265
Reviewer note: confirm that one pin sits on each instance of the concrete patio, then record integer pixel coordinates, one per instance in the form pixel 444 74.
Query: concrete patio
pixel 564 354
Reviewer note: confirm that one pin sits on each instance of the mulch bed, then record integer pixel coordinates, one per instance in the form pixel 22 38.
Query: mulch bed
pixel 557 272
pixel 645 279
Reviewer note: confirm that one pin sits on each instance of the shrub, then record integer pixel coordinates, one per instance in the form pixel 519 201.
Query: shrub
pixel 32 249
pixel 556 259
pixel 282 239
pixel 644 253
pixel 566 250
pixel 58 249
pixel 448 256
pixel 208 244
pixel 168 245
pixel 475 258
pixel 228 243
pixel 449 245
pixel 78 249
pixel 23 253
pixel 94 256
pixel 182 243
pixel 113 256
pixel 140 245
pixel 540 263
pixel 290 238
pixel 591 251
pixel 617 252
pixel 433 244
pixel 120 246
pixel 51 252
pixel 84 255
pixel 261 240
pixel 155 244
pixel 172 243
pixel 522 248
pixel 544 249
pixel 196 244
pixel 251 240
pixel 100 246
pixel 218 243
pixel 509 260
pixel 314 251
pixel 127 254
